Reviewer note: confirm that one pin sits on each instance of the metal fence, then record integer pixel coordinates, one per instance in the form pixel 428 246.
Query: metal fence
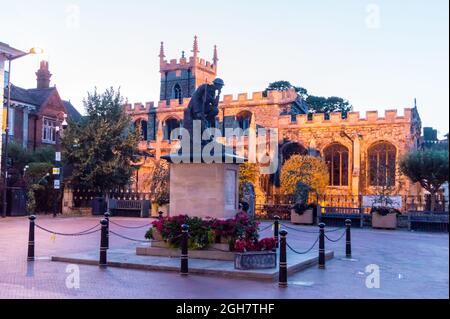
pixel 84 197
pixel 281 204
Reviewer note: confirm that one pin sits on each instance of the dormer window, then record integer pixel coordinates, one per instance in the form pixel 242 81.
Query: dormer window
pixel 49 131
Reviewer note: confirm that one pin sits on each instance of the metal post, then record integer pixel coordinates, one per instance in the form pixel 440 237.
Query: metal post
pixel 184 250
pixel 282 273
pixel 57 175
pixel 348 239
pixel 5 145
pixel 107 215
pixel 276 229
pixel 103 246
pixel 31 239
pixel 322 246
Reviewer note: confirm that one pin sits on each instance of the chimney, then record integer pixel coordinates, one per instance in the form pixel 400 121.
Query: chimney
pixel 43 76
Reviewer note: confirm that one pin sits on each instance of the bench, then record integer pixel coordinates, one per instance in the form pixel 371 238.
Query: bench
pixel 336 216
pixel 428 221
pixel 129 208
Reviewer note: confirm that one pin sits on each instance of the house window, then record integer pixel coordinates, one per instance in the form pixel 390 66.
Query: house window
pixel 336 157
pixel 382 158
pixel 49 131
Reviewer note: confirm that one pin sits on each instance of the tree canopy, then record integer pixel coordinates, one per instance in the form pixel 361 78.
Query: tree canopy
pixel 304 170
pixel 427 167
pixel 316 104
pixel 100 147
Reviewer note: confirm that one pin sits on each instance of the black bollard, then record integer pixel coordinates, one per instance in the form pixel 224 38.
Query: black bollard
pixel 103 247
pixel 31 239
pixel 184 268
pixel 160 215
pixel 322 246
pixel 348 239
pixel 276 230
pixel 282 273
pixel 107 215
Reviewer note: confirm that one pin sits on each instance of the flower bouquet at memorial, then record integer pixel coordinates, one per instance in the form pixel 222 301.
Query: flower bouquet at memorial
pixel 203 232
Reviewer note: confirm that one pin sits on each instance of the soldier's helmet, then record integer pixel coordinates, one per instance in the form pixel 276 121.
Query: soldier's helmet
pixel 218 82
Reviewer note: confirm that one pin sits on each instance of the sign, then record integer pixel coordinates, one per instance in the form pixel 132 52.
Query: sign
pixel 56 171
pixel 58 156
pixel 230 189
pixel 390 201
pixel 56 184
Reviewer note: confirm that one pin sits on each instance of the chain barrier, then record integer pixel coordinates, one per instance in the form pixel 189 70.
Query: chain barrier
pixel 306 251
pixel 334 230
pixel 140 240
pixel 266 228
pixel 336 240
pixel 129 227
pixel 132 239
pixel 86 232
pixel 299 230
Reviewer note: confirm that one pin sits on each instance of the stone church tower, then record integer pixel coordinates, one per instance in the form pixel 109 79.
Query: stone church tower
pixel 179 79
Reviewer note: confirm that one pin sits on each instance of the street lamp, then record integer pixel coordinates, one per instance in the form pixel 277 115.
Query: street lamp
pixel 4 167
pixel 58 167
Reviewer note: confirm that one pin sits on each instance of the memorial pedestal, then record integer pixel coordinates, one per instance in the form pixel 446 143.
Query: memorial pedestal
pixel 204 190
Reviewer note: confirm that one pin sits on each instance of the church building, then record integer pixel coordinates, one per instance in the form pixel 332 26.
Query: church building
pixel 358 149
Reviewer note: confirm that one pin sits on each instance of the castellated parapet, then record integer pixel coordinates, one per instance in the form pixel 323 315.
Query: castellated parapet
pixel 353 119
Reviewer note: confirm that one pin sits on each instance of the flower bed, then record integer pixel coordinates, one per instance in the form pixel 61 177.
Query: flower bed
pixel 205 232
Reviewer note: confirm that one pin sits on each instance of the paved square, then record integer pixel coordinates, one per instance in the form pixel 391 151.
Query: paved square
pixel 412 265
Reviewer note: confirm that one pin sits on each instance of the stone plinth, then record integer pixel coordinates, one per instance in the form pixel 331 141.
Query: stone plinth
pixel 204 190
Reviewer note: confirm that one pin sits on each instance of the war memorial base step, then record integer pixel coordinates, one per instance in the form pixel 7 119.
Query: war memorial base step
pixel 127 258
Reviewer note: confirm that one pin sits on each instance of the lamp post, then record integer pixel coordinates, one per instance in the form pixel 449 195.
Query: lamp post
pixel 57 173
pixel 4 167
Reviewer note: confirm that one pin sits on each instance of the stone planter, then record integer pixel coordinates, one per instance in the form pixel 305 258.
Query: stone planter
pixel 305 219
pixel 388 221
pixel 255 260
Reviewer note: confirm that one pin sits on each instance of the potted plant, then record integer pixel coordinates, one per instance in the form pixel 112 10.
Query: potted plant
pixel 383 214
pixel 255 254
pixel 301 212
pixel 384 217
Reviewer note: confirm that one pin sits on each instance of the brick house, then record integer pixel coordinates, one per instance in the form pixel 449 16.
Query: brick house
pixel 35 113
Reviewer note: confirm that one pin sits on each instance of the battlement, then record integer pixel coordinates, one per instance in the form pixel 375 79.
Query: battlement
pixel 183 63
pixel 353 118
pixel 258 98
pixel 139 107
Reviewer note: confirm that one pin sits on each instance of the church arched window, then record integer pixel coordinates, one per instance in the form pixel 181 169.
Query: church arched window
pixel 381 158
pixel 243 120
pixel 336 157
pixel 177 92
pixel 169 125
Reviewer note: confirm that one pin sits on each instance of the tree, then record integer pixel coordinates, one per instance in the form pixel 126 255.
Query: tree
pixel 427 167
pixel 304 170
pixel 100 147
pixel 326 105
pixel 160 183
pixel 29 169
pixel 316 104
pixel 285 86
pixel 248 173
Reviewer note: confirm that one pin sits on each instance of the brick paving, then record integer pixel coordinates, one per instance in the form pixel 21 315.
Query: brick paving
pixel 412 265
